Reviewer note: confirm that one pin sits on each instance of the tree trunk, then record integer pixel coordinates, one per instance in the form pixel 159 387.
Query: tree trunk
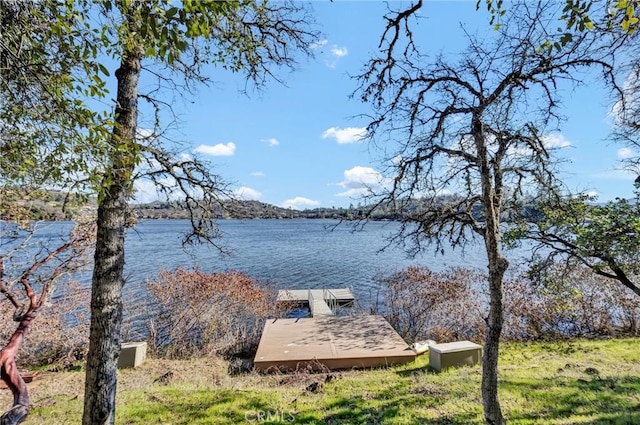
pixel 491 178
pixel 497 267
pixel 108 279
pixel 11 376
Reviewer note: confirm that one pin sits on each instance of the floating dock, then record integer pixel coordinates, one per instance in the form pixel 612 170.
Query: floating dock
pixel 319 343
pixel 321 302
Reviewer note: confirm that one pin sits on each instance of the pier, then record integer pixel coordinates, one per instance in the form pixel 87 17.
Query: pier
pixel 321 302
pixel 325 341
pixel 328 343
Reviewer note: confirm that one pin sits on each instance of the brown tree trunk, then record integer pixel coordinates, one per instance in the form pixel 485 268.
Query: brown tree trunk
pixel 8 369
pixel 497 267
pixel 108 279
pixel 491 178
pixel 10 375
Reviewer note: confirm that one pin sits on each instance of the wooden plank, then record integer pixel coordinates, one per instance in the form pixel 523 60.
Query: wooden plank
pixel 299 295
pixel 317 304
pixel 343 295
pixel 320 308
pixel 330 342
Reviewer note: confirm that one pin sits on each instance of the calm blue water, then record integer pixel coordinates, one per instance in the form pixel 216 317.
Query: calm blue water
pixel 291 254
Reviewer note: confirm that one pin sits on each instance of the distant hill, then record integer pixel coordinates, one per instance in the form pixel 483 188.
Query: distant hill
pixel 53 206
pixel 238 210
pixel 41 205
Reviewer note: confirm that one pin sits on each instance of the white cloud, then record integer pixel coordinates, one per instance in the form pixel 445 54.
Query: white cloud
pixel 339 52
pixel 220 149
pixel 626 153
pixel 625 111
pixel 258 174
pixel 185 157
pixel 332 56
pixel 360 181
pixel 143 134
pixel 592 194
pixel 299 202
pixel 145 191
pixel 247 194
pixel 319 44
pixel 555 141
pixel 271 141
pixel 345 135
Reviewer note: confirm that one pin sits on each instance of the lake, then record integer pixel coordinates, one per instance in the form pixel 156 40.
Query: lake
pixel 291 254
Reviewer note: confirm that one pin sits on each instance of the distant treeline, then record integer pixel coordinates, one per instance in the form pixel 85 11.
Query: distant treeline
pixel 51 205
pixel 55 206
pixel 255 210
pixel 243 210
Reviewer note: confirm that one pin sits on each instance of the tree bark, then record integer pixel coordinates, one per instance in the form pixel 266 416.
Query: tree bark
pixel 108 278
pixel 497 267
pixel 10 375
pixel 491 178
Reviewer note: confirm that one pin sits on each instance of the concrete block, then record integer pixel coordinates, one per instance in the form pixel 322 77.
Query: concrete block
pixel 132 354
pixel 452 354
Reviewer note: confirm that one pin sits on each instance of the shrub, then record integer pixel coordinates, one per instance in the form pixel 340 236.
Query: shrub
pixel 197 313
pixel 421 304
pixel 568 303
pixel 59 335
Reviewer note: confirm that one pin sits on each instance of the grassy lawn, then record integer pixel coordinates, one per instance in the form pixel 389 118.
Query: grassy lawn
pixel 579 382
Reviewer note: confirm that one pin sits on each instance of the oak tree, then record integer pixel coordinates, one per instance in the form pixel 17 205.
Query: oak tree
pixel 44 140
pixel 581 16
pixel 180 40
pixel 576 229
pixel 174 46
pixel 48 134
pixel 473 126
pixel 579 232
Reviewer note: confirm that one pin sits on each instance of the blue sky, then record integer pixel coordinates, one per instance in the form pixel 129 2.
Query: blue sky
pixel 299 145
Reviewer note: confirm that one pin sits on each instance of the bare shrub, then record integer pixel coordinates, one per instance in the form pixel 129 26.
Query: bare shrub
pixel 199 313
pixel 421 304
pixel 60 335
pixel 627 314
pixel 568 303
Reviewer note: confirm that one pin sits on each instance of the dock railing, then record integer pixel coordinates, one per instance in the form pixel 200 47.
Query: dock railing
pixel 311 303
pixel 331 300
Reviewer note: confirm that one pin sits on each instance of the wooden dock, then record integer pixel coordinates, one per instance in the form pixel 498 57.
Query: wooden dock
pixel 321 302
pixel 330 343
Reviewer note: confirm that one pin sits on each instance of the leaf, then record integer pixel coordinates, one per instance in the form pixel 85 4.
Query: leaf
pixel 625 25
pixel 566 38
pixel 171 12
pixel 104 69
